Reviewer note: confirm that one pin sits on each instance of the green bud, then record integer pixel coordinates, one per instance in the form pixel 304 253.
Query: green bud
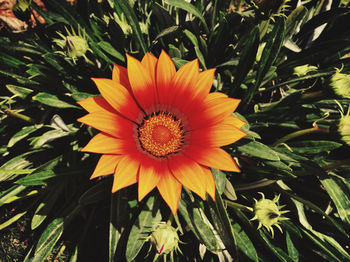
pixel 268 213
pixel 165 238
pixel 344 128
pixel 340 84
pixel 73 45
pixel 304 69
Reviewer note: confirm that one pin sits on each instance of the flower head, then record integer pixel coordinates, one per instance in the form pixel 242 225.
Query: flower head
pixel 340 84
pixel 161 128
pixel 164 238
pixel 343 128
pixel 268 213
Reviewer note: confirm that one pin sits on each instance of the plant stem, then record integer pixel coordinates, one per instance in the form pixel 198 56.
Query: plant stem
pixel 18 115
pixel 336 164
pixel 311 95
pixel 298 133
pixel 238 206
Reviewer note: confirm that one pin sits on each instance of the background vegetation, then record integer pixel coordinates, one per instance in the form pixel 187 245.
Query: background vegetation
pixel 295 148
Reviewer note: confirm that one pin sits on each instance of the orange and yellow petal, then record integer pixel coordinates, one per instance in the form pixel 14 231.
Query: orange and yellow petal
pixel 148 178
pixel 234 121
pixel 120 75
pixel 170 189
pixel 109 123
pixel 204 83
pixel 165 73
pixel 189 173
pixel 210 182
pixel 141 83
pixel 118 97
pixel 105 144
pixel 126 173
pixel 96 103
pixel 213 157
pixel 106 165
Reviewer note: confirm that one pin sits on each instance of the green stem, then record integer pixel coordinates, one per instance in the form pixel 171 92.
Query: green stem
pixel 257 184
pixel 18 115
pixel 298 133
pixel 239 5
pixel 170 219
pixel 238 206
pixel 311 95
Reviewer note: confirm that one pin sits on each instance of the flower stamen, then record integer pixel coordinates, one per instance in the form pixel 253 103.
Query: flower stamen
pixel 161 134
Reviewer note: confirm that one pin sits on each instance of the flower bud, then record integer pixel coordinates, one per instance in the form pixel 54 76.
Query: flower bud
pixel 268 213
pixel 303 70
pixel 340 84
pixel 344 128
pixel 73 45
pixel 165 239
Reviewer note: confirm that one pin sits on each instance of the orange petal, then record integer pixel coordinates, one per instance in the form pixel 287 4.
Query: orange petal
pixel 118 97
pixel 96 103
pixel 165 73
pixel 217 135
pixel 141 83
pixel 189 173
pixel 149 62
pixel 125 173
pixel 109 123
pixel 209 178
pixel 106 165
pixel 215 95
pixel 105 144
pixel 204 83
pixel 170 189
pixel 235 121
pixel 120 75
pixel 148 179
pixel 212 157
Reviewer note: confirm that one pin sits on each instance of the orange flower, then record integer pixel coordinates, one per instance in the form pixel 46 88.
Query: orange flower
pixel 161 128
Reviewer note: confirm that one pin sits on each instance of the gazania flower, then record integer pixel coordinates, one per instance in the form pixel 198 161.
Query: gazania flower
pixel 161 128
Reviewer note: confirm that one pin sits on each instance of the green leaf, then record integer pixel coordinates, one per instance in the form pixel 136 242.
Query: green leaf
pixel 10 193
pixel 16 166
pixel 188 7
pixel 46 206
pixel 339 198
pixel 292 251
pixel 247 58
pixel 278 252
pixel 49 136
pixel 48 240
pixel 194 41
pixel 244 243
pixel 194 218
pixel 12 220
pixel 95 194
pixel 268 57
pixel 294 19
pixel 313 147
pixel 19 91
pixel 149 215
pixel 259 150
pixel 23 133
pixel 107 47
pixel 52 100
pixel 220 180
pixel 36 179
pixel 124 5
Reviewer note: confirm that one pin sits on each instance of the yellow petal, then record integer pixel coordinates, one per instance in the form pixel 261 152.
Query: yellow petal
pixel 165 73
pixel 109 123
pixel 189 173
pixel 141 83
pixel 125 173
pixel 118 97
pixel 106 165
pixel 170 189
pixel 204 83
pixel 148 179
pixel 149 62
pixel 235 121
pixel 105 144
pixel 96 103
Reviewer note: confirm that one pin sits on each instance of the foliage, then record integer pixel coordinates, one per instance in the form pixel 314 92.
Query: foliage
pixel 293 148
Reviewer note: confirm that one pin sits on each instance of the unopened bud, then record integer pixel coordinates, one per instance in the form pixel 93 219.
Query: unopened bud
pixel 165 238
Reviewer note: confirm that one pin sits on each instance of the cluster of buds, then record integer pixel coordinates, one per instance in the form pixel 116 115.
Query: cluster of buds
pixel 165 239
pixel 73 45
pixel 269 213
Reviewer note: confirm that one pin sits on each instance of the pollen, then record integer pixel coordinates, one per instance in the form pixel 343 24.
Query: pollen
pixel 161 134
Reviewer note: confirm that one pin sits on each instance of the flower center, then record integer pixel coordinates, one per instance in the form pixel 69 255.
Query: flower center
pixel 161 134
